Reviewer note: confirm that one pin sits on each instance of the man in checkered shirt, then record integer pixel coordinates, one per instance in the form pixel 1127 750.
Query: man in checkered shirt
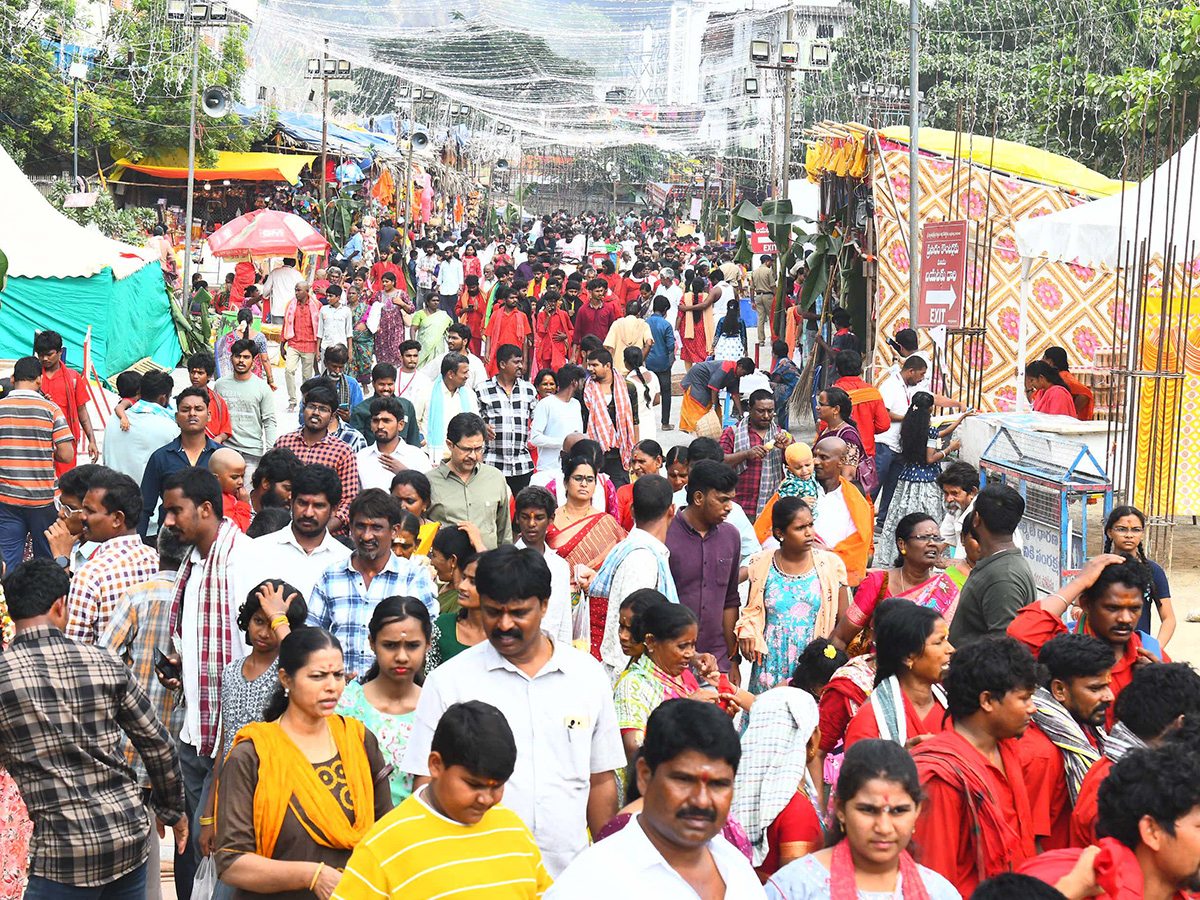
pixel 506 405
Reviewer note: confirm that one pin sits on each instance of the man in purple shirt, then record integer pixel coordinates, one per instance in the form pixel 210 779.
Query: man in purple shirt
pixel 597 316
pixel 705 550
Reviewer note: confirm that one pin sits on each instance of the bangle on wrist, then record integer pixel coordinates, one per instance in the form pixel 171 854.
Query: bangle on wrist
pixel 280 619
pixel 316 875
pixel 208 820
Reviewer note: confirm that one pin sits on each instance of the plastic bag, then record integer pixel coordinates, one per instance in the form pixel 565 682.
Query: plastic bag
pixel 205 885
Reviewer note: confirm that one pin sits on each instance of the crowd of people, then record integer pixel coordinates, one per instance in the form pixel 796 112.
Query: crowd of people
pixel 459 632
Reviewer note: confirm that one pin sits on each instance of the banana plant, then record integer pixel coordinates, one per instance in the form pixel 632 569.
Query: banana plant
pixel 777 215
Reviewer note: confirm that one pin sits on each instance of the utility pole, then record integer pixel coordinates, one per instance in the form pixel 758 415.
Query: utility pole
pixel 191 177
pixel 914 172
pixel 75 156
pixel 325 123
pixel 787 113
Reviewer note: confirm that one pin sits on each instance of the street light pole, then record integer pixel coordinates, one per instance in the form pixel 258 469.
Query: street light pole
pixel 191 177
pixel 75 105
pixel 324 124
pixel 914 172
pixel 787 114
pixel 408 191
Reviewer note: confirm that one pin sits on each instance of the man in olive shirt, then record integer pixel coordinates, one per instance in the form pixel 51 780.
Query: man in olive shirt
pixel 465 489
pixel 1001 582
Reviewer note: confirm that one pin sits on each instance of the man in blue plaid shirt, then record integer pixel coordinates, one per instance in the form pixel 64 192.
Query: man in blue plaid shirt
pixel 347 593
pixel 506 405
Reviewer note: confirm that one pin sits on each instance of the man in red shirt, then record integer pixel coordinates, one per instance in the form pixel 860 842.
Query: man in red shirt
pixel 201 369
pixel 67 389
pixel 508 325
pixel 975 821
pixel 1150 816
pixel 300 337
pixel 867 406
pixel 1109 590
pixel 596 316
pixel 1151 707
pixel 1063 741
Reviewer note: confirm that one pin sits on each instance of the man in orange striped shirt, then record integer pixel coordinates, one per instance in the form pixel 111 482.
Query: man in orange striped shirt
pixel 36 435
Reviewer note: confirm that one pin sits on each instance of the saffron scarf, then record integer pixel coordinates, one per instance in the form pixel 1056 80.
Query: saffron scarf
pixel 1067 735
pixel 842 885
pixel 219 634
pixel 601 428
pixel 290 775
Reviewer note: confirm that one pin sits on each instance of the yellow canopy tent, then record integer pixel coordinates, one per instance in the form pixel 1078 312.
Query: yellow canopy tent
pixel 1008 156
pixel 234 166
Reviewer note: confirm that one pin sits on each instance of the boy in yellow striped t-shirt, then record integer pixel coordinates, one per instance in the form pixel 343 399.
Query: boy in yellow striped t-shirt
pixel 450 837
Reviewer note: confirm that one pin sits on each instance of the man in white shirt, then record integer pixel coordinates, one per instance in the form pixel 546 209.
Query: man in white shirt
pixel 449 280
pixel 151 425
pixel 301 551
pixel 379 462
pixel 554 418
pixel 411 383
pixel 535 511
pixel 335 324
pixel 448 397
pixel 458 336
pixel 556 699
pixel 673 847
pixel 280 288
pixel 668 288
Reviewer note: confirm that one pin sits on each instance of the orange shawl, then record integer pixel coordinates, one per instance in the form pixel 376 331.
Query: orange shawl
pixel 290 775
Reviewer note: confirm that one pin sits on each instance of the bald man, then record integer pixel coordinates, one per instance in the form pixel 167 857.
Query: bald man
pixel 844 518
pixel 230 468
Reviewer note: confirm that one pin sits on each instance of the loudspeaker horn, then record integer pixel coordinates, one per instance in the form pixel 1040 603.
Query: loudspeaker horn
pixel 216 101
pixel 420 140
pixel 501 165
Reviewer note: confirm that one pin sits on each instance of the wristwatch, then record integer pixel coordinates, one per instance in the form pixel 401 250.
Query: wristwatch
pixel 64 561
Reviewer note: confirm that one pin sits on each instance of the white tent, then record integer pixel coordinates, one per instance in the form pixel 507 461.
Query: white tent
pixel 1159 211
pixel 43 243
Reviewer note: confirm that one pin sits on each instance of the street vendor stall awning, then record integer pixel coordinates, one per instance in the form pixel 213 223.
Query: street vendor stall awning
pixel 1036 165
pixel 234 166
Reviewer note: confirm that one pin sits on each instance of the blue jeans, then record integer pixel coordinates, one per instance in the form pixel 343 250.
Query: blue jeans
pixel 18 522
pixel 131 886
pixel 888 465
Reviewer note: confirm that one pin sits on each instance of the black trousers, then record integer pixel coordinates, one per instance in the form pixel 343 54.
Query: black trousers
pixel 517 482
pixel 664 387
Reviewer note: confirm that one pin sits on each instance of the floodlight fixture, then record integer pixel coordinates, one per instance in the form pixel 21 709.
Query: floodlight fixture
pixel 789 53
pixel 760 51
pixel 819 54
pixel 750 87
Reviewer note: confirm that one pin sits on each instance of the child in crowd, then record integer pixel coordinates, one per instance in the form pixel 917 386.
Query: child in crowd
pixel 248 684
pixel 469 844
pixel 230 468
pixel 129 388
pixel 799 481
pixel 336 324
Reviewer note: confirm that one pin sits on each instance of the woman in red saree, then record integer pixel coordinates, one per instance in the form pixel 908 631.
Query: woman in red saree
pixel 553 333
pixel 696 321
pixel 583 536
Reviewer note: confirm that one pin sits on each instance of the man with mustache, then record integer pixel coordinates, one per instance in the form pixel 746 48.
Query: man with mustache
pixel 1067 731
pixel 673 846
pixel 557 700
pixel 976 821
pixel 303 549
pixel 1109 591
pixel 1150 814
pixel 348 591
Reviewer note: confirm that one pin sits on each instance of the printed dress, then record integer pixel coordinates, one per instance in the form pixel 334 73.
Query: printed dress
pixel 392 732
pixel 792 603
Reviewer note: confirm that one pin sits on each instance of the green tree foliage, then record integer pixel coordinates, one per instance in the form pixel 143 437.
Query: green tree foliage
pixel 135 99
pixel 128 225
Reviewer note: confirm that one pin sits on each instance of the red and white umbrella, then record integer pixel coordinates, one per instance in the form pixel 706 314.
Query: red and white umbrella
pixel 265 232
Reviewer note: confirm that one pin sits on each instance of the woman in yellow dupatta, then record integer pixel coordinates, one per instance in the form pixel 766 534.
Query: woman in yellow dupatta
pixel 301 789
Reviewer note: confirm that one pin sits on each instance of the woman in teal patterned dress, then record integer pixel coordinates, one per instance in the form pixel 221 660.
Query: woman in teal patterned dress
pixel 796 594
pixel 385 699
pixel 362 353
